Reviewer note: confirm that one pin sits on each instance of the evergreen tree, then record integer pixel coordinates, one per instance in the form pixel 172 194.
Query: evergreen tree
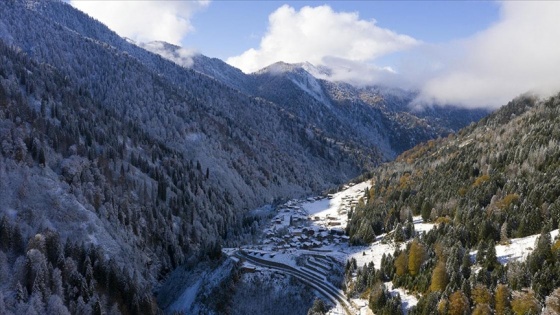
pixel 399 235
pixel 318 308
pixel 491 259
pixel 481 252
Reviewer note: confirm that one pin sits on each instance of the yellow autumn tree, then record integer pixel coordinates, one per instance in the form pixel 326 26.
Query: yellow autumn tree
pixel 443 306
pixel 416 257
pixel 458 303
pixel 525 303
pixel 501 299
pixel 482 309
pixel 401 264
pixel 439 278
pixel 481 295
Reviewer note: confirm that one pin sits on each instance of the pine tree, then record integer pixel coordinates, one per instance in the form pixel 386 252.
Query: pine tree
pixel 42 158
pixel 21 293
pixel 318 308
pixel 55 305
pixel 491 259
pixel 466 266
pixel 504 239
pixel 480 252
pixel 399 233
pixel 3 309
pixel 426 211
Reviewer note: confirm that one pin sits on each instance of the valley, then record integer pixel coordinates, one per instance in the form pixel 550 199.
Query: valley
pixel 140 177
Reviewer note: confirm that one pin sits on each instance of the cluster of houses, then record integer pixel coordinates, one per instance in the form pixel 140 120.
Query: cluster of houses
pixel 292 227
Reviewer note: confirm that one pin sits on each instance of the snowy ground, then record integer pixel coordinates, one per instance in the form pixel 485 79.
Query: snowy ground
pixel 336 207
pixel 374 252
pixel 408 300
pixel 308 235
pixel 518 249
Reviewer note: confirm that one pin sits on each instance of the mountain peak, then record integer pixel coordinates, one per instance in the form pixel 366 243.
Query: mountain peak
pixel 279 67
pixel 298 73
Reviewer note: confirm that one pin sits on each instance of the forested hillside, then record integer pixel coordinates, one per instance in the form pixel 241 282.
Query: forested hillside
pixel 372 116
pixel 85 194
pixel 258 151
pixel 494 181
pixel 117 165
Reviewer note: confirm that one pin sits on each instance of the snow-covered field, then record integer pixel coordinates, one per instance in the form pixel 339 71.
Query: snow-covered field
pixel 336 207
pixel 518 249
pixel 407 300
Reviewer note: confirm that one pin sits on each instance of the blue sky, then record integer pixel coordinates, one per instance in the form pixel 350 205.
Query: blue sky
pixel 228 28
pixel 469 53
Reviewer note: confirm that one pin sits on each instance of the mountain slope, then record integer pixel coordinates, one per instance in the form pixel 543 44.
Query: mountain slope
pixel 196 112
pixel 118 165
pixel 497 179
pixel 371 115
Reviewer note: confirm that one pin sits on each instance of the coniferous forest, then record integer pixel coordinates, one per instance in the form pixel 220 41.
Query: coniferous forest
pixel 121 172
pixel 494 181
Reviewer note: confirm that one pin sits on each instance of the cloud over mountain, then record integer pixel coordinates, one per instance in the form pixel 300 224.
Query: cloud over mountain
pixel 520 53
pixel 315 33
pixel 145 21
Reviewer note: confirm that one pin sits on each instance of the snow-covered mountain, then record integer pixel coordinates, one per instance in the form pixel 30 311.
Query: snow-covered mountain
pixel 118 165
pixel 382 115
pixel 297 74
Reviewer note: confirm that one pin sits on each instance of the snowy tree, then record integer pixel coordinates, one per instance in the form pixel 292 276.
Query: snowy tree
pixel 55 306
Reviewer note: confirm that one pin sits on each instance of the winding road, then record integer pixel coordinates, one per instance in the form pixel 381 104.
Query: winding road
pixel 328 290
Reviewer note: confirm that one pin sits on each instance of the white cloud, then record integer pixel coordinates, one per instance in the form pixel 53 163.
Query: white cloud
pixel 520 53
pixel 145 21
pixel 314 34
pixel 358 73
pixel 179 55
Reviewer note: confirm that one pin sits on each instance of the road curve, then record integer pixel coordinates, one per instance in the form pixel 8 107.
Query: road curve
pixel 329 291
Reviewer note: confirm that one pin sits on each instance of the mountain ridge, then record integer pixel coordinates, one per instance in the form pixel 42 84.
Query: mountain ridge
pixel 148 165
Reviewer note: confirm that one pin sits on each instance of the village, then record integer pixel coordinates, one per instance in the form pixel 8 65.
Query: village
pixel 305 224
pixel 306 238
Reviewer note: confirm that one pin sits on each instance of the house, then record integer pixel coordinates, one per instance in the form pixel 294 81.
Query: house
pixel 337 232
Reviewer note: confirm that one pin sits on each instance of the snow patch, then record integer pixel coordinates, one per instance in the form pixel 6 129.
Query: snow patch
pixel 518 249
pixel 186 300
